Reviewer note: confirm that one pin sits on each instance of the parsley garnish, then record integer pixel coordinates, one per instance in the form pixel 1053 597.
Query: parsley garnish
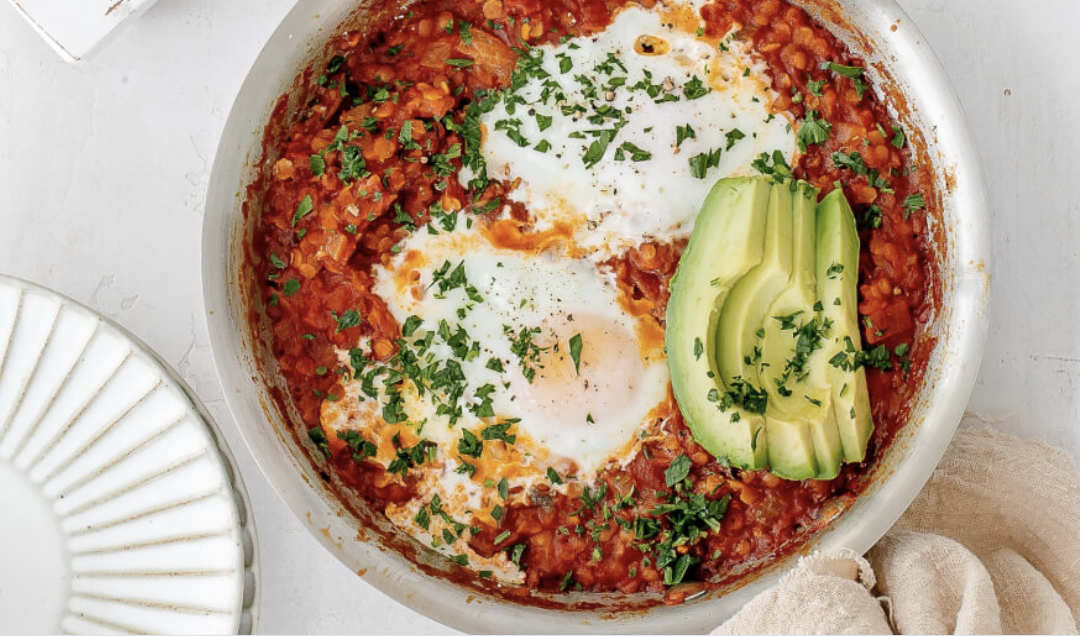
pixel 812 131
pixel 318 438
pixel 871 218
pixel 527 351
pixel 598 147
pixel 566 581
pixel 350 318
pixel 302 210
pixel 732 137
pixel 853 73
pixel 636 154
pixel 700 163
pixel 360 447
pixel 498 431
pixel 677 471
pixel 575 352
pixel 779 170
pixel 743 394
pixel 352 164
pixel 913 203
pixel 470 444
pixel 682 133
pixel 898 140
pixel 695 88
pixel 516 552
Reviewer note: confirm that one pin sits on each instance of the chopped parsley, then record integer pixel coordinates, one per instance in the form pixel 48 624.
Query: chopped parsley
pixel 913 203
pixel 346 320
pixel 871 217
pixel 853 73
pixel 635 153
pixel 898 140
pixel 677 471
pixel 352 164
pixel 575 352
pixel 527 351
pixel 733 137
pixel 742 394
pixel 779 170
pixel 812 131
pixel 360 447
pixel 595 152
pixel 682 133
pixel 700 163
pixel 516 552
pixel 856 164
pixel 465 33
pixel 695 88
pixel 499 432
pixel 469 444
pixel 317 437
pixel 303 209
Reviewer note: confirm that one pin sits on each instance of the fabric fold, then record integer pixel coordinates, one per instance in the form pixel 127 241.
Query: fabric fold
pixel 990 546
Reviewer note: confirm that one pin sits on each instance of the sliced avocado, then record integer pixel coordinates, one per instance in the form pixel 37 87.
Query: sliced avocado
pixel 762 306
pixel 738 343
pixel 791 449
pixel 792 369
pixel 727 242
pixel 790 320
pixel 837 271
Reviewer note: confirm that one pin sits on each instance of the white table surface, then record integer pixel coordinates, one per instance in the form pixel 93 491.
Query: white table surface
pixel 104 168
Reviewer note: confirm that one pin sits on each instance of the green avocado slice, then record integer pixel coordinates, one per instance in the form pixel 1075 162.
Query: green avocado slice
pixel 837 270
pixel 738 343
pixel 762 306
pixel 792 368
pixel 727 242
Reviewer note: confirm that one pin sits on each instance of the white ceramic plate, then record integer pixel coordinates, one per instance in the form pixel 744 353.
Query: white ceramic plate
pixel 120 509
pixel 75 28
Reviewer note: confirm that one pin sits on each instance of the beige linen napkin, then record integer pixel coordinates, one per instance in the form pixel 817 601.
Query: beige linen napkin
pixel 990 546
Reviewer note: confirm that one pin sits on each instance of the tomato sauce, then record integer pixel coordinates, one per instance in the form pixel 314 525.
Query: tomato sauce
pixel 395 73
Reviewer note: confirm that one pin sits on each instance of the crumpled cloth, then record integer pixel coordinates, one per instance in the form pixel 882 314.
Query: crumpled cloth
pixel 990 546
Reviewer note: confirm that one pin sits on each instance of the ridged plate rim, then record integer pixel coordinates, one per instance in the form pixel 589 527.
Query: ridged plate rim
pixel 248 612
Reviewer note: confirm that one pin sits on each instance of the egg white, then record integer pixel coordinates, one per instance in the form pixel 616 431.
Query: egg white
pixel 618 204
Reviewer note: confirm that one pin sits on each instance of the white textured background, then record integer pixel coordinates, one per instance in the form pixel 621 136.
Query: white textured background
pixel 104 166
